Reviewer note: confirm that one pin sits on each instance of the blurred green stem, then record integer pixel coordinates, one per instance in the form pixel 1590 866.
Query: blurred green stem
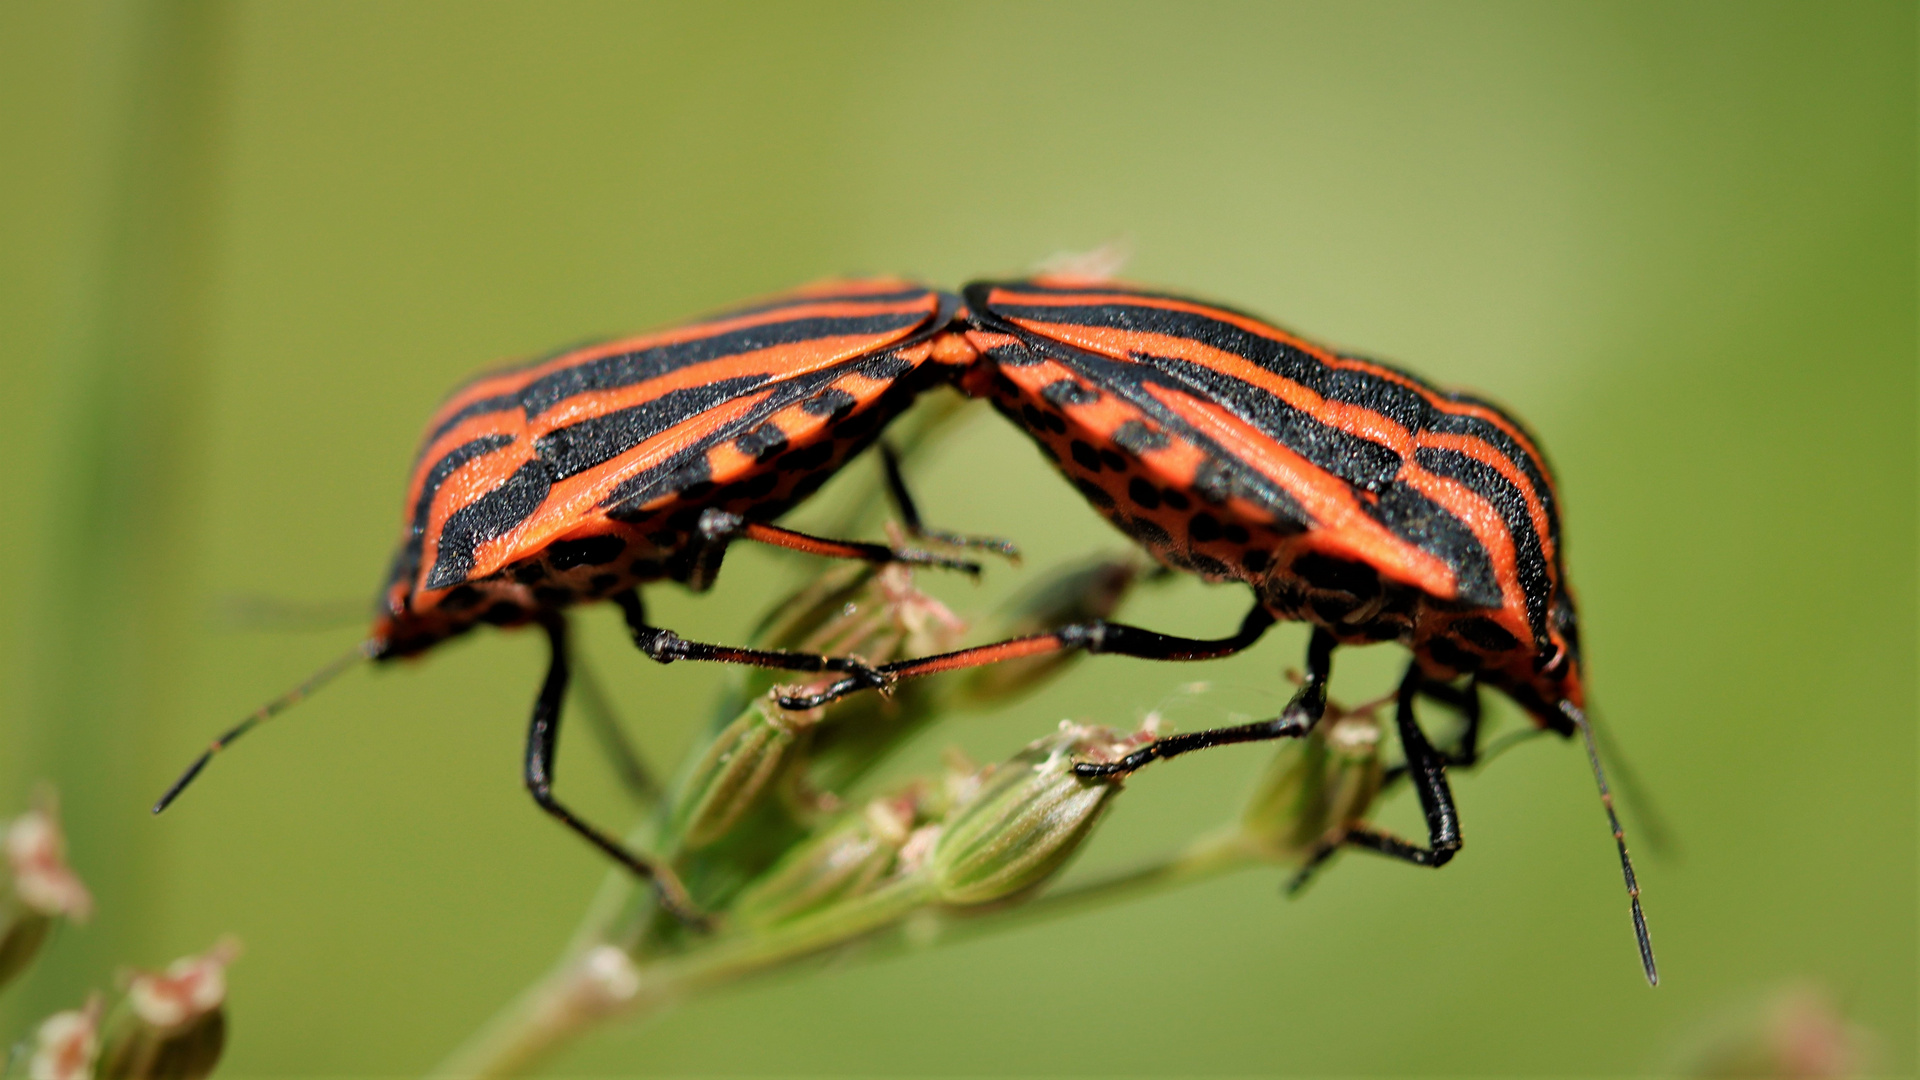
pixel 560 1007
pixel 117 536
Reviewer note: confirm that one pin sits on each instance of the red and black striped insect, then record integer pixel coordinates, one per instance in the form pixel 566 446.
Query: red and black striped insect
pixel 1347 493
pixel 583 475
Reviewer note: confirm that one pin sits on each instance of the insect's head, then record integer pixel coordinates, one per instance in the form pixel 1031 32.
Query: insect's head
pixel 1551 674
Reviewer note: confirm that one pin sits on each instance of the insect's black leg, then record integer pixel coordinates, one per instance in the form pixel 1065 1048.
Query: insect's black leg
pixel 910 514
pixel 1299 717
pixel 1309 702
pixel 1465 752
pixel 1310 869
pixel 1428 769
pixel 718 528
pixel 543 736
pixel 666 646
pixel 1098 637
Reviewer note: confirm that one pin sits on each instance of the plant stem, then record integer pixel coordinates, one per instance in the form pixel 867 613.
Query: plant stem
pixel 564 1004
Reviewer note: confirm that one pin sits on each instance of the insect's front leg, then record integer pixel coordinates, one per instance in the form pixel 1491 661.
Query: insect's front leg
pixel 1309 704
pixel 1427 768
pixel 543 737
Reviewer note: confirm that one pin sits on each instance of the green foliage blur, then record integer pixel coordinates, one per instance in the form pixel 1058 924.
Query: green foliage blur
pixel 245 247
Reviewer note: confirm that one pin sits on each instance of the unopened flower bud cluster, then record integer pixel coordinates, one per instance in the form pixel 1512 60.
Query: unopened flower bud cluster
pixel 166 1025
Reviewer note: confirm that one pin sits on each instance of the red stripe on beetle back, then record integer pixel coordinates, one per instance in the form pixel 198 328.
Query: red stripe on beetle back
pixel 512 424
pixel 466 485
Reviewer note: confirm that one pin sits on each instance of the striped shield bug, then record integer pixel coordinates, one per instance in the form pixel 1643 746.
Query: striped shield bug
pixel 585 474
pixel 1346 493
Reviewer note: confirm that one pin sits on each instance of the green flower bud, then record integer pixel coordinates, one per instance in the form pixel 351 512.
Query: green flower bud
pixel 1317 787
pixel 174 1025
pixel 847 859
pixel 1078 593
pixel 874 615
pixel 39 887
pixel 1027 817
pixel 739 764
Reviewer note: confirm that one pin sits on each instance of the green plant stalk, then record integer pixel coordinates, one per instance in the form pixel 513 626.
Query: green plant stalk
pixel 109 593
pixel 555 1010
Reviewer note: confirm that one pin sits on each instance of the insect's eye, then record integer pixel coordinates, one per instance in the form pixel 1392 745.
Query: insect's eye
pixel 1557 661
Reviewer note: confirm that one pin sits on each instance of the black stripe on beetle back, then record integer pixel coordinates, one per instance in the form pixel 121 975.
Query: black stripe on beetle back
pixel 1426 525
pixel 490 516
pixel 1530 563
pixel 499 402
pixel 1360 462
pixel 669 476
pixel 627 369
pixel 406 562
pixel 576 448
pixel 1399 403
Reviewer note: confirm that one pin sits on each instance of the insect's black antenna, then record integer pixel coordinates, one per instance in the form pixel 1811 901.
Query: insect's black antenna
pixel 1655 834
pixel 1579 719
pixel 366 650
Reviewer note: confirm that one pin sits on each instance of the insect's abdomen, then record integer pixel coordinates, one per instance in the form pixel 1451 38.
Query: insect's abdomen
pixel 577 476
pixel 1348 493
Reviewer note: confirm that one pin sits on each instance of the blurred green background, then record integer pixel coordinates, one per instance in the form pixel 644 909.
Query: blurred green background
pixel 245 247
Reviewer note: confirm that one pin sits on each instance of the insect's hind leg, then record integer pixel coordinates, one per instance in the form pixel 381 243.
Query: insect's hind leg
pixel 1300 716
pixel 910 514
pixel 718 529
pixel 1465 753
pixel 543 737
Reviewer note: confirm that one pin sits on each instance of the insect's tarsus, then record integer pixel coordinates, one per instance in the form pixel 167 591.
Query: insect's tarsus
pixel 366 650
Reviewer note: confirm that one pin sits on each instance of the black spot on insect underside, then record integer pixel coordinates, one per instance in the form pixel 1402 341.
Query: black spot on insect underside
pixel 1093 492
pixel 1484 632
pixel 832 403
pixel 1065 392
pixel 764 442
pixel 590 551
pixel 1137 438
